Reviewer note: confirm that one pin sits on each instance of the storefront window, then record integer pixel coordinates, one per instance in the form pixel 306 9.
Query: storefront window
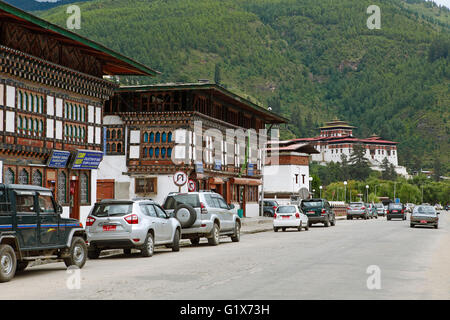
pixel 23 177
pixel 37 178
pixel 62 181
pixel 9 176
pixel 84 185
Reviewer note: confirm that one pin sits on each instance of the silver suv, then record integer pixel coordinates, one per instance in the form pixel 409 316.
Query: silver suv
pixel 203 214
pixel 126 224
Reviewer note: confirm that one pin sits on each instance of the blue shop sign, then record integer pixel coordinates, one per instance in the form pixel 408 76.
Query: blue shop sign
pixel 58 159
pixel 199 167
pixel 87 159
pixel 250 168
pixel 217 164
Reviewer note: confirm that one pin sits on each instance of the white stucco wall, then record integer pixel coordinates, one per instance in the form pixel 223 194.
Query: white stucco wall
pixel 284 181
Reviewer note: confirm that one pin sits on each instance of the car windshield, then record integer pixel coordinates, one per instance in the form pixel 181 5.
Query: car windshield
pixel 112 209
pixel 378 205
pixel 311 204
pixel 396 206
pixel 286 209
pixel 356 204
pixel 424 210
pixel 173 201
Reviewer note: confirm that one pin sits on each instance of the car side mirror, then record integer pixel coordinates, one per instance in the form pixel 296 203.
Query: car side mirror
pixel 231 206
pixel 59 209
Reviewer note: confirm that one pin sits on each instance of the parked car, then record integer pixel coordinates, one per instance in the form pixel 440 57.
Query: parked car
pixel 269 207
pixel 438 206
pixel 203 214
pixel 357 210
pixel 372 211
pixel 318 211
pixel 130 224
pixel 424 216
pixel 31 227
pixel 381 211
pixel 396 210
pixel 290 216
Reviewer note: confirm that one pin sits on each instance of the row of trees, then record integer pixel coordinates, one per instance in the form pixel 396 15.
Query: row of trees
pixel 419 189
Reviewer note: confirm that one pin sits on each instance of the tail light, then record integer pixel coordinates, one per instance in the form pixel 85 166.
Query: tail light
pixel 297 215
pixel 132 219
pixel 203 208
pixel 90 221
pixel 349 208
pixel 363 208
pixel 387 211
pixel 403 211
pixel 274 207
pixel 324 211
pixel 274 215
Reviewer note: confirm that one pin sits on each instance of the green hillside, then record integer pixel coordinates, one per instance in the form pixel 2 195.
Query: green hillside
pixel 311 60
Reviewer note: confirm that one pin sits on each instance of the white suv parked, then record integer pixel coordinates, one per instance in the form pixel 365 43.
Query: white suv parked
pixel 127 224
pixel 203 214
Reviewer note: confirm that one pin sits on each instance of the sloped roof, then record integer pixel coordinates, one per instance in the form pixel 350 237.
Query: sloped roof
pixel 113 63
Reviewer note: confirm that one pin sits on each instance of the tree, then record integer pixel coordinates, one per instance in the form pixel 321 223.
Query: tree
pixel 437 169
pixel 217 75
pixel 359 169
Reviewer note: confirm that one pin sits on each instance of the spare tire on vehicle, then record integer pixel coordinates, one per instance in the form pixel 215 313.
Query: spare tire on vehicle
pixel 186 214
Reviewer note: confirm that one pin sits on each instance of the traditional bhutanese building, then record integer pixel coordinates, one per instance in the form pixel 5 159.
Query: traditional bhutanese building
pixel 52 94
pixel 143 127
pixel 336 139
pixel 286 172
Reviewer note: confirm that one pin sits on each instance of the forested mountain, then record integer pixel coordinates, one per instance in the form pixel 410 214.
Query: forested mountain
pixel 33 5
pixel 310 60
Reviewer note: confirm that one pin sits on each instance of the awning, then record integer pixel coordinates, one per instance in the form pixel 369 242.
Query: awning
pixel 216 180
pixel 246 181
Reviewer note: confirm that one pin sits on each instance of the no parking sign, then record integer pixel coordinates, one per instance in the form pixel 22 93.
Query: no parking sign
pixel 191 185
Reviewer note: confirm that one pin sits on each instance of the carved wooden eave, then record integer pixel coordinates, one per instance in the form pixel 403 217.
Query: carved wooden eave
pixel 25 66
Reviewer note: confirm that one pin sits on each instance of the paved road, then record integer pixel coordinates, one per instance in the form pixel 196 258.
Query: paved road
pixel 322 263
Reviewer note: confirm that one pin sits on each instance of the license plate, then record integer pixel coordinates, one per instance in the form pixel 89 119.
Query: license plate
pixel 394 211
pixel 109 228
pixel 286 217
pixel 423 221
pixel 311 212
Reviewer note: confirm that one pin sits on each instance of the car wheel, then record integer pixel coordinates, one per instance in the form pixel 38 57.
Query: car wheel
pixel 284 229
pixel 267 214
pixel 275 229
pixel 333 222
pixel 195 241
pixel 8 263
pixel 77 253
pixel 95 253
pixel 214 240
pixel 176 241
pixel 326 224
pixel 236 237
pixel 149 246
pixel 21 265
pixel 436 226
pixel 300 227
pixel 411 225
pixel 126 251
pixel 307 227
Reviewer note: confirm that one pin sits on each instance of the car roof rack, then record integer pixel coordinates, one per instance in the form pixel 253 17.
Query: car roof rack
pixel 142 198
